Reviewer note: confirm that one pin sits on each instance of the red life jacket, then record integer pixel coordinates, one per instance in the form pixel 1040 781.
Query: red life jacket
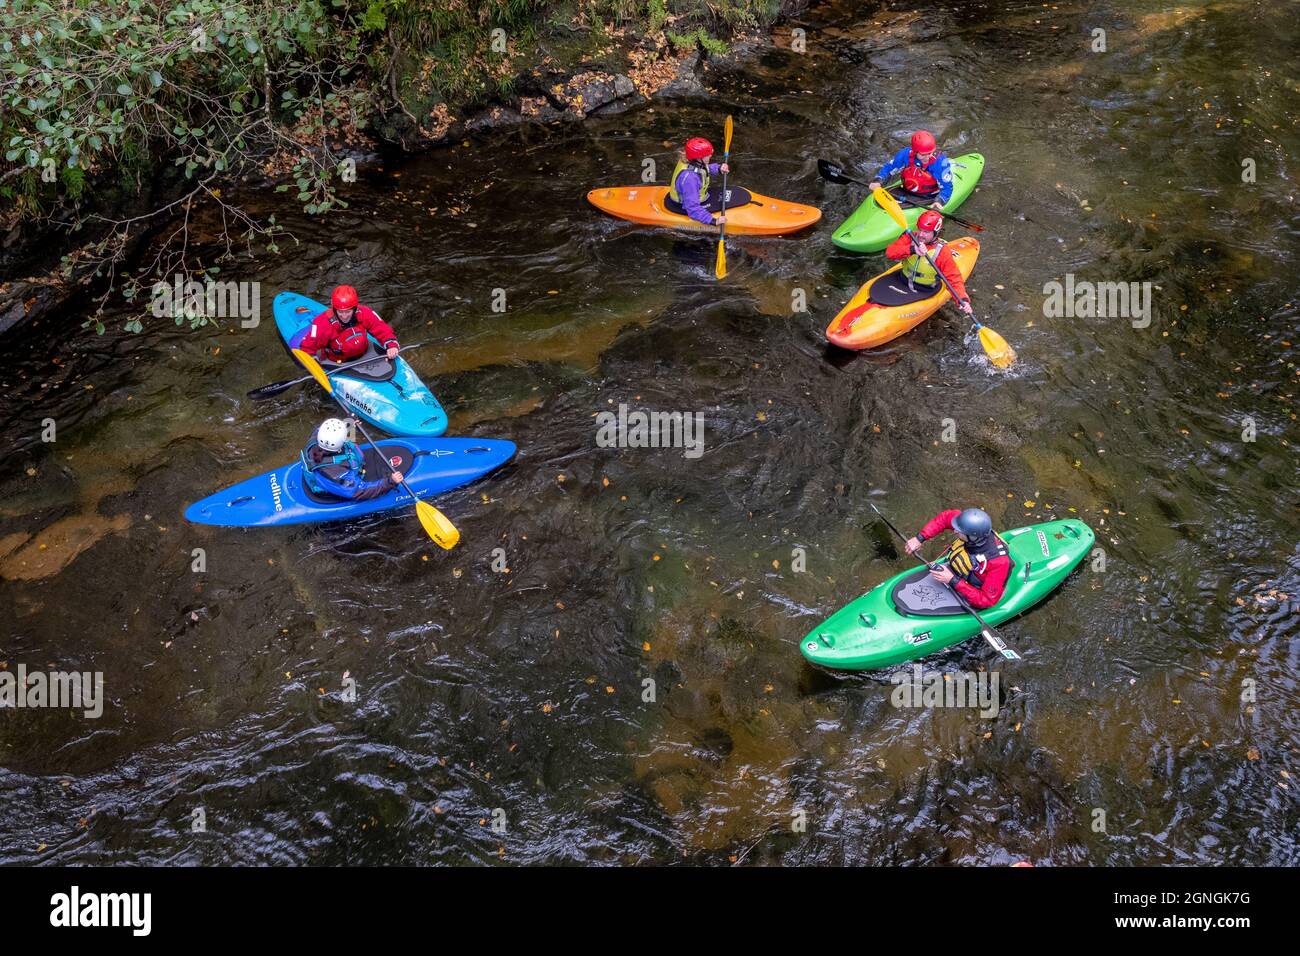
pixel 346 342
pixel 918 179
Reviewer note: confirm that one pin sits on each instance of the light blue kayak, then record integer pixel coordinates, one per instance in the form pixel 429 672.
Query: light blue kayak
pixel 384 393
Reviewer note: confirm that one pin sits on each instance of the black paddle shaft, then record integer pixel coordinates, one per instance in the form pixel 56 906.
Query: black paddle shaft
pixel 829 171
pixel 902 537
pixel 373 444
pixel 972 226
pixel 276 388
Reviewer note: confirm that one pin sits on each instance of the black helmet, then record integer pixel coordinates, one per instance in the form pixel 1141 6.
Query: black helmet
pixel 975 524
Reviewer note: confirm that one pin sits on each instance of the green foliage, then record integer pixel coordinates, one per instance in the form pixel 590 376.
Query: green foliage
pixel 447 49
pixel 701 18
pixel 698 36
pixel 82 87
pixel 656 15
pixel 96 99
pixel 99 98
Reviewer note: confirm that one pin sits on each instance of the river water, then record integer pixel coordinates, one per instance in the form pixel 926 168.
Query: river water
pixel 502 716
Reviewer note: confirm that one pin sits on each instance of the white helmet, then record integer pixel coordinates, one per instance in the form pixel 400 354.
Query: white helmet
pixel 331 435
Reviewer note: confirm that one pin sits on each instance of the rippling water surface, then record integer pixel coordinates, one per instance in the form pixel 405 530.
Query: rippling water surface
pixel 519 696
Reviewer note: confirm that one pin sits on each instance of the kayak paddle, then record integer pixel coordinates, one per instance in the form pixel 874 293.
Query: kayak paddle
pixel 275 388
pixel 720 267
pixel 995 346
pixel 832 173
pixel 436 524
pixel 971 226
pixel 990 635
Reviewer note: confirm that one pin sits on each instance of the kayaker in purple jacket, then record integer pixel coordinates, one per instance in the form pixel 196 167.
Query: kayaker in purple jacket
pixel 690 188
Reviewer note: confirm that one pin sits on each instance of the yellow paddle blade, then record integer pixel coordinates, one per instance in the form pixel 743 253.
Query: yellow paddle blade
pixel 438 525
pixel 313 366
pixel 720 266
pixel 995 346
pixel 726 139
pixel 890 205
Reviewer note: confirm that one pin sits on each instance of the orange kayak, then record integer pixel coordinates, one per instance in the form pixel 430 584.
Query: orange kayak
pixel 873 319
pixel 760 216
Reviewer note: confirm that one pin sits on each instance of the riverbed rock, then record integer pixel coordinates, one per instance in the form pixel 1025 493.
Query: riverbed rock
pixel 538 109
pixel 52 549
pixel 498 117
pixel 585 93
pixel 687 81
pixel 22 299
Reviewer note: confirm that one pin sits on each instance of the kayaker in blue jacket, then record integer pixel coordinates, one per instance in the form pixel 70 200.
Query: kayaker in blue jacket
pixel 334 465
pixel 690 188
pixel 925 170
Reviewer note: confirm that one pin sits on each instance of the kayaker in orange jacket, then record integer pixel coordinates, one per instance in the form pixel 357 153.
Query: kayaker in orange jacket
pixel 917 269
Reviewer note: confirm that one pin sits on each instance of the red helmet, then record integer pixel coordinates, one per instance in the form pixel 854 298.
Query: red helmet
pixel 698 148
pixel 930 221
pixel 923 141
pixel 344 297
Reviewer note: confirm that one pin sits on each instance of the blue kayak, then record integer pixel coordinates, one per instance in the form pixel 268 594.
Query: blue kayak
pixel 385 393
pixel 430 466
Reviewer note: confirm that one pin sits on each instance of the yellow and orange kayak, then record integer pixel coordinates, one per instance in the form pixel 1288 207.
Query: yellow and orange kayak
pixel 865 322
pixel 760 216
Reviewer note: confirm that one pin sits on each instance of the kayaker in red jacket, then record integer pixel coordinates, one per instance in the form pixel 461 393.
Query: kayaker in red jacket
pixel 341 330
pixel 917 268
pixel 977 563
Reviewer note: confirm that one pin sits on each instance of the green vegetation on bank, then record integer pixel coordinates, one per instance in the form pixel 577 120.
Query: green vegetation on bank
pixel 115 92
pixel 116 116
